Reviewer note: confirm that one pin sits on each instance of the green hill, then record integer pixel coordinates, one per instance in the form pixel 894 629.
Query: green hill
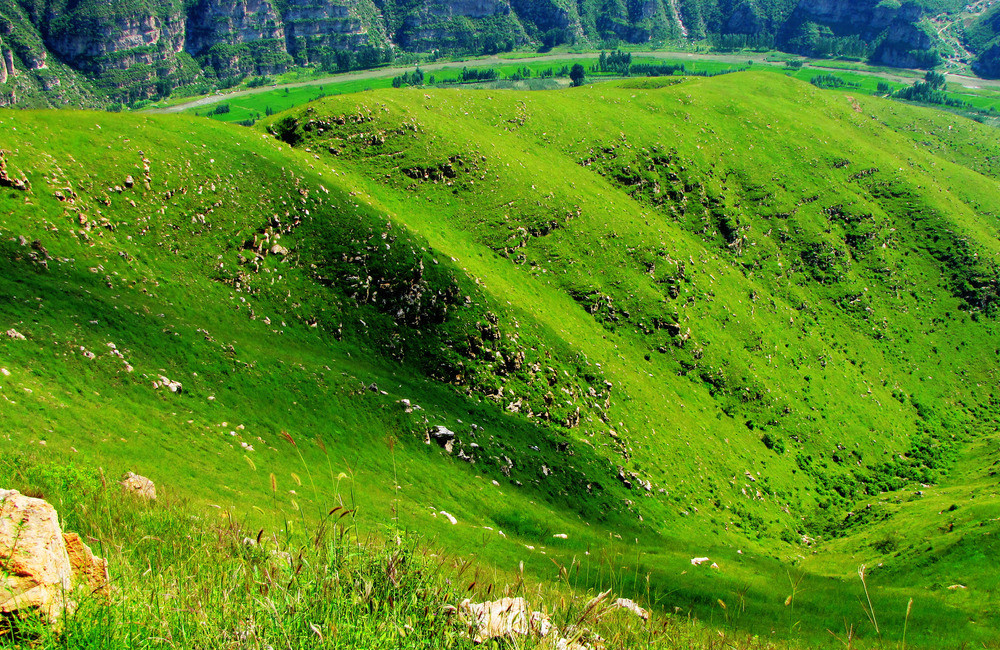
pixel 735 317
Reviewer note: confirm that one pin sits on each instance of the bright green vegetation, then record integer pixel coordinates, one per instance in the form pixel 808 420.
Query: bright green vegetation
pixel 251 107
pixel 255 106
pixel 247 108
pixel 184 579
pixel 737 317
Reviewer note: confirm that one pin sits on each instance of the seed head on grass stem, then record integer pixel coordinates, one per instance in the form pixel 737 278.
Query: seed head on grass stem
pixel 870 611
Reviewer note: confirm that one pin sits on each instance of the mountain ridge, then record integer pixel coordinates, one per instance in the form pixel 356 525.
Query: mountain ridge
pixel 128 51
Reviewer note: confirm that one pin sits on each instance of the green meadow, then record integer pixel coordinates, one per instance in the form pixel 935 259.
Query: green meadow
pixel 736 317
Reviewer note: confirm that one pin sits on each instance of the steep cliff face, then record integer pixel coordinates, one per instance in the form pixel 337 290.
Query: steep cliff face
pixel 906 45
pixel 96 44
pixel 887 32
pixel 230 22
pixel 486 25
pixel 235 38
pixel 317 28
pixel 982 37
pixel 866 18
pixel 28 75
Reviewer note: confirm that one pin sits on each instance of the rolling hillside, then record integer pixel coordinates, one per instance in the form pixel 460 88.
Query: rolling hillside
pixel 736 317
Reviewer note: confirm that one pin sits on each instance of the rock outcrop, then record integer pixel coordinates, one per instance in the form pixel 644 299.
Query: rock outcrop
pixel 45 570
pixel 119 42
pixel 140 486
pixel 443 436
pixel 317 28
pixel 510 619
pixel 895 28
pixel 506 618
pixel 8 62
pixel 231 22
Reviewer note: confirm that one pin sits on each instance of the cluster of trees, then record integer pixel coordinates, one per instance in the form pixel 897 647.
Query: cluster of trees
pixel 830 81
pixel 616 62
pixel 521 73
pixel 656 69
pixel 761 42
pixel 930 91
pixel 475 74
pixel 925 58
pixel 368 56
pixel 619 62
pixel 415 78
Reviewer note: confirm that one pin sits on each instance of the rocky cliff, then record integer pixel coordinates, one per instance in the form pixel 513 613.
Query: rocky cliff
pixel 316 28
pixel 888 33
pixel 982 38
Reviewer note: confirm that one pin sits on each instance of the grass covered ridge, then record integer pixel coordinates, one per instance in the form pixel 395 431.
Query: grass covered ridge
pixel 702 319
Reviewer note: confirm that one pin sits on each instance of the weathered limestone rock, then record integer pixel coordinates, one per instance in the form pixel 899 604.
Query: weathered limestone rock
pixel 505 618
pixel 139 486
pixel 89 571
pixel 442 435
pixel 632 606
pixel 42 566
pixel 38 574
pixel 8 62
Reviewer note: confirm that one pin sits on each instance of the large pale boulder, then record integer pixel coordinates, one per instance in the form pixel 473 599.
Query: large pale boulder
pixel 139 486
pixel 42 566
pixel 505 618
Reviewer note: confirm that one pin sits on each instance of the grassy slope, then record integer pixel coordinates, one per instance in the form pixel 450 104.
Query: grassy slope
pixel 813 325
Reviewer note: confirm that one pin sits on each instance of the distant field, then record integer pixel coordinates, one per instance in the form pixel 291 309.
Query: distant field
pixel 258 105
pixel 250 107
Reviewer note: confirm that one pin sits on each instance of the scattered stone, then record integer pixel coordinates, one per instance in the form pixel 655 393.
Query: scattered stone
pixel 505 618
pixel 449 517
pixel 442 435
pixel 7 181
pixel 698 561
pixel 14 334
pixel 139 485
pixel 173 386
pixel 630 605
pixel 42 566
